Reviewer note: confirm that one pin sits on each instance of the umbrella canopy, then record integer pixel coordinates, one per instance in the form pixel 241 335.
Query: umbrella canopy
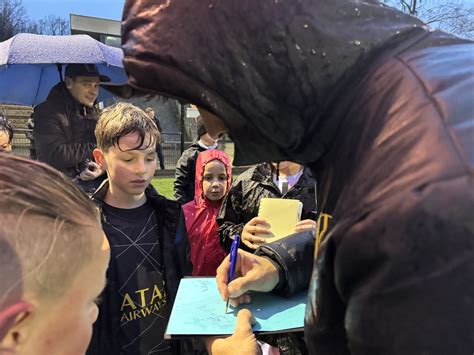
pixel 28 64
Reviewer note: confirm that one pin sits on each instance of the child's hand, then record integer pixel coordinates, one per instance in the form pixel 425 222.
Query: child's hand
pixel 306 225
pixel 256 225
pixel 243 340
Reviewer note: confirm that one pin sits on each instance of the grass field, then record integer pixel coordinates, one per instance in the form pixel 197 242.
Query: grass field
pixel 164 185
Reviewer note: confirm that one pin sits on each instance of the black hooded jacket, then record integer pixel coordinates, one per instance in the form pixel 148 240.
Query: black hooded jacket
pixel 380 107
pixel 64 131
pixel 243 200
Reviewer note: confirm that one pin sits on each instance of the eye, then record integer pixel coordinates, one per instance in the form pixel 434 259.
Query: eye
pixel 128 160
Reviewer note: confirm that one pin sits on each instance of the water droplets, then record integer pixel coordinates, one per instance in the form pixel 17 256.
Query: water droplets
pixel 356 43
pixel 211 6
pixel 298 48
pixel 357 11
pixel 243 64
pixel 313 51
pixel 398 32
pixel 305 25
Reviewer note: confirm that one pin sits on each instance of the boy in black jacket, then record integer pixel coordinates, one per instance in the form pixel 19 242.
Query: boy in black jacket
pixel 186 165
pixel 149 251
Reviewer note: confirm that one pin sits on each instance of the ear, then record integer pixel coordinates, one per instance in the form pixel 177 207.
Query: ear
pixel 67 81
pixel 100 158
pixel 16 321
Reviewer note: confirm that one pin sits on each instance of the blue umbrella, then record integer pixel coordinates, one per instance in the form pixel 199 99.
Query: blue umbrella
pixel 29 64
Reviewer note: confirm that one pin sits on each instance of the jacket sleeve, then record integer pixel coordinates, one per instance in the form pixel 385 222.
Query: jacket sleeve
pixel 293 256
pixel 182 179
pixel 183 248
pixel 52 145
pixel 230 216
pixel 404 275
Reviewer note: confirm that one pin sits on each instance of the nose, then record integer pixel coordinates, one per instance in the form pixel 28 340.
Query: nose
pixel 95 89
pixel 140 168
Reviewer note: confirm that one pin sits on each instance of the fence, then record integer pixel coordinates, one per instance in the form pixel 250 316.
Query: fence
pixel 171 145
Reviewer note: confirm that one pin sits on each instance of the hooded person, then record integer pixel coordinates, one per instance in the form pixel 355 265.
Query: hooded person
pixel 212 184
pixel 379 106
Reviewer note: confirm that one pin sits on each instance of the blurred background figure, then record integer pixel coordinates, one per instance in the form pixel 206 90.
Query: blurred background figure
pixel 6 135
pixel 186 166
pixel 159 149
pixel 30 125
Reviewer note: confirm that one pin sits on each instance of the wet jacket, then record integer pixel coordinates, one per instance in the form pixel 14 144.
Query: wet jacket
pixel 64 131
pixel 200 215
pixel 185 172
pixel 175 255
pixel 243 200
pixel 380 107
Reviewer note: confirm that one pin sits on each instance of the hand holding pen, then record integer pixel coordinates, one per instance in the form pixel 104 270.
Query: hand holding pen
pixel 251 273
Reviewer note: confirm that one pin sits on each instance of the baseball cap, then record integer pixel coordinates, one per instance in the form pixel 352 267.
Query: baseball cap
pixel 75 70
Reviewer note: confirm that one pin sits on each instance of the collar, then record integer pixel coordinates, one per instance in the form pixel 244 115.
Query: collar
pixel 206 146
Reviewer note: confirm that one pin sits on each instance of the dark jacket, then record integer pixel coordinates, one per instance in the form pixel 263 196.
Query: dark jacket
pixel 64 131
pixel 243 200
pixel 184 174
pixel 380 107
pixel 176 264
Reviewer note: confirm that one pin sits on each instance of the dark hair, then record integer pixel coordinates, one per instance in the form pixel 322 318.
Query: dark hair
pixel 5 125
pixel 121 119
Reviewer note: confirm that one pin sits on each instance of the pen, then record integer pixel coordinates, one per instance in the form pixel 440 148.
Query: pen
pixel 233 260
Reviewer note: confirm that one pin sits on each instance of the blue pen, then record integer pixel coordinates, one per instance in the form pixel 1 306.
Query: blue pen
pixel 233 260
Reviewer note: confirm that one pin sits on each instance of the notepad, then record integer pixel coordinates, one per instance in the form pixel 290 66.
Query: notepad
pixel 282 215
pixel 200 311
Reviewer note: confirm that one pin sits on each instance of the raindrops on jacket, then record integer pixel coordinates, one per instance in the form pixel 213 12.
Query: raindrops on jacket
pixel 356 43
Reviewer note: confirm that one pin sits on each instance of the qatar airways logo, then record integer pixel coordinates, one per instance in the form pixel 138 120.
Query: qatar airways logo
pixel 142 303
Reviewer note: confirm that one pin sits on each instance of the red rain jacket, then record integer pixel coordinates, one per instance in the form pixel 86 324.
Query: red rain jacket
pixel 200 215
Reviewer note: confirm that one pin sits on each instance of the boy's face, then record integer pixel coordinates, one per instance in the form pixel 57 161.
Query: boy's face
pixel 5 144
pixel 130 167
pixel 214 180
pixel 63 325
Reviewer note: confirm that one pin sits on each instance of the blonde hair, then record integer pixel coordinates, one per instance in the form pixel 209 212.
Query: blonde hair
pixel 121 119
pixel 50 224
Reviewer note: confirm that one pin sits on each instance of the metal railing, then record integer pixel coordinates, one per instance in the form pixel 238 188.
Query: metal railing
pixel 171 146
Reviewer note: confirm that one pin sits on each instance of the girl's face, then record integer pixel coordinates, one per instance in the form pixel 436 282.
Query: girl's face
pixel 214 180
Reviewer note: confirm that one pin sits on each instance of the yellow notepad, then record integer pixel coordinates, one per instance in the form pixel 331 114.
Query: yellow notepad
pixel 282 215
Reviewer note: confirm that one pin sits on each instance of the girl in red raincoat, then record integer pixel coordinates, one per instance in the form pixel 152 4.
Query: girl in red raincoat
pixel 213 179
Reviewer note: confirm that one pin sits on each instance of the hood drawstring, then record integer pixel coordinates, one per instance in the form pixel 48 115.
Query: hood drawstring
pixel 278 172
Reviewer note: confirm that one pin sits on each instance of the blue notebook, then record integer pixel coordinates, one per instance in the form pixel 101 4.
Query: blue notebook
pixel 199 310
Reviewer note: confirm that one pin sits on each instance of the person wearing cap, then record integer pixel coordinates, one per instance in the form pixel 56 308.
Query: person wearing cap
pixel 6 135
pixel 65 123
pixel 186 166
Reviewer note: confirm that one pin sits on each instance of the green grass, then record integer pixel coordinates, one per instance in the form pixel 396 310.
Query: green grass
pixel 164 185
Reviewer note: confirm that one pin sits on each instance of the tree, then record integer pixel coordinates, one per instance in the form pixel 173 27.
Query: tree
pixel 53 25
pixel 454 16
pixel 12 18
